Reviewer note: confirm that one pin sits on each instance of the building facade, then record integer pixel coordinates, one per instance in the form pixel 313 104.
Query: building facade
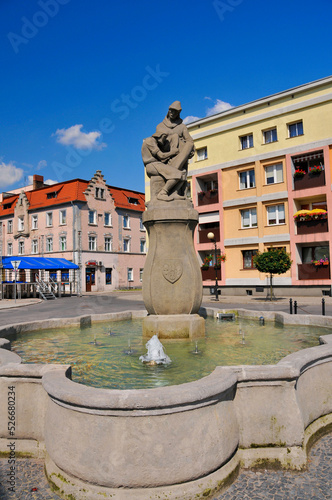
pixel 255 167
pixel 97 226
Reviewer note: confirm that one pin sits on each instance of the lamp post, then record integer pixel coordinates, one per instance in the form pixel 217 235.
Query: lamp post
pixel 212 238
pixel 15 264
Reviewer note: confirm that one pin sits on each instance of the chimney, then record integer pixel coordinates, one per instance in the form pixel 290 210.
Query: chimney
pixel 38 181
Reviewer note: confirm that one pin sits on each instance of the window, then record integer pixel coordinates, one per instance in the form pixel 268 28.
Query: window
pixel 53 275
pixel 248 258
pixel 108 275
pixel 202 154
pixel 270 136
pixel 143 246
pixel 130 274
pixel 126 245
pixel 34 222
pixel 307 161
pixel 63 217
pixel 247 141
pixel 141 275
pixel 34 246
pixel 247 179
pixel 49 219
pixel 92 243
pixel 49 244
pixel 295 129
pixel 314 253
pixel 64 276
pixel 107 219
pixel 108 244
pixel 249 218
pixel 9 248
pixel 21 247
pixel 126 221
pixel 10 226
pixel 20 223
pixel 63 243
pixel 274 173
pixel 275 214
pixel 141 226
pixel 99 193
pixel 133 201
pixel 92 217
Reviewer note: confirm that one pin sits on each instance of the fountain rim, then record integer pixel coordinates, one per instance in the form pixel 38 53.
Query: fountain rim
pixel 58 384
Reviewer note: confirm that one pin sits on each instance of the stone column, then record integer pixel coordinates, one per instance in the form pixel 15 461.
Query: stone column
pixel 172 282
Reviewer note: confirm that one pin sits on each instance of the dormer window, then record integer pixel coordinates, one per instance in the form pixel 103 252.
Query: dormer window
pixel 133 201
pixel 53 194
pixel 7 205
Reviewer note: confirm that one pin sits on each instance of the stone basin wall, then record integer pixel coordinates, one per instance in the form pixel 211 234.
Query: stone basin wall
pixel 169 442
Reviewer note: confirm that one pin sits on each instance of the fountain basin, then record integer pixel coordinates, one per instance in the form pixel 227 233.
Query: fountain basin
pixel 170 442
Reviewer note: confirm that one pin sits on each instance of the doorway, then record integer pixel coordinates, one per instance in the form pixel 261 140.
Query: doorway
pixel 90 279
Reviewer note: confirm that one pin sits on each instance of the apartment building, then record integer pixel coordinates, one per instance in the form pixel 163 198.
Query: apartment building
pixel 261 178
pixel 97 226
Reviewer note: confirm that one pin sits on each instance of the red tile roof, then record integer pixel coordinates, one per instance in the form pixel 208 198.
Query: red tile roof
pixel 72 190
pixel 130 200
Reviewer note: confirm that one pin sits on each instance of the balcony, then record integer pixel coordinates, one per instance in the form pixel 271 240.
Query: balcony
pixel 312 226
pixel 310 272
pixel 207 198
pixel 309 181
pixel 210 273
pixel 202 234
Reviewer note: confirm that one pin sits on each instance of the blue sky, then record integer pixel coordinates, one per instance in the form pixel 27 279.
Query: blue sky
pixel 83 82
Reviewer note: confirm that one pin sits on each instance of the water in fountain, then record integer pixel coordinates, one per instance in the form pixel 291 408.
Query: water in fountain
pixel 156 354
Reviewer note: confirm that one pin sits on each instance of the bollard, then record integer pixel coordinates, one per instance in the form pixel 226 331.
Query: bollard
pixel 295 306
pixel 323 307
pixel 290 306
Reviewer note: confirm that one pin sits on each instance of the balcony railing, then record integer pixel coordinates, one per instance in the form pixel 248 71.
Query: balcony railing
pixel 210 274
pixel 207 198
pixel 309 271
pixel 312 226
pixel 309 181
pixel 202 234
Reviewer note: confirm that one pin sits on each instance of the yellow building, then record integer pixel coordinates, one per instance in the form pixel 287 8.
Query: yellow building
pixel 246 191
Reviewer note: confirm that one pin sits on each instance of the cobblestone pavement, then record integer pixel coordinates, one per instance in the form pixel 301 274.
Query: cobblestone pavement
pixel 312 484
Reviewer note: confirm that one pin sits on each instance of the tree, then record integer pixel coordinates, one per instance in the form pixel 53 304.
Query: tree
pixel 274 261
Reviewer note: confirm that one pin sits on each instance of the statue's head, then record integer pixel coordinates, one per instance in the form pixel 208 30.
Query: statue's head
pixel 174 110
pixel 159 134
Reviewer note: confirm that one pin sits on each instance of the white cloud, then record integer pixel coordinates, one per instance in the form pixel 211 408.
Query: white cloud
pixel 73 136
pixel 41 164
pixel 9 174
pixel 189 119
pixel 218 107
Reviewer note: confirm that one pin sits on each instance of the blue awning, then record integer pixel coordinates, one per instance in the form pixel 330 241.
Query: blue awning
pixel 37 263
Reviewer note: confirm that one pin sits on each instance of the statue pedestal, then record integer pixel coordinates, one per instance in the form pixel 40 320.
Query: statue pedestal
pixel 174 326
pixel 172 281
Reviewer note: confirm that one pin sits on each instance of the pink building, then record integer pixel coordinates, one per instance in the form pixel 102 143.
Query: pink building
pixel 96 226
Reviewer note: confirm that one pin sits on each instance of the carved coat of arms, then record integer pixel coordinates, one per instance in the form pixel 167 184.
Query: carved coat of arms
pixel 172 270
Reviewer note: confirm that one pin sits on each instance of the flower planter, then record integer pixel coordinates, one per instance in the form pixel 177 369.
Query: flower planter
pixel 210 274
pixel 309 181
pixel 208 198
pixel 312 226
pixel 202 234
pixel 311 272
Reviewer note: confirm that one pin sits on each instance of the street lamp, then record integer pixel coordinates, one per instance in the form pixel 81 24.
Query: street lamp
pixel 212 238
pixel 15 264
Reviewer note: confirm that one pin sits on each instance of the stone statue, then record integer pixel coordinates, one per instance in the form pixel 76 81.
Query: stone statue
pixel 165 156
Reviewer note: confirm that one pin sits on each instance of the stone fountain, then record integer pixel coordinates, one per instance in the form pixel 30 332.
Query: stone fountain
pixel 172 283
